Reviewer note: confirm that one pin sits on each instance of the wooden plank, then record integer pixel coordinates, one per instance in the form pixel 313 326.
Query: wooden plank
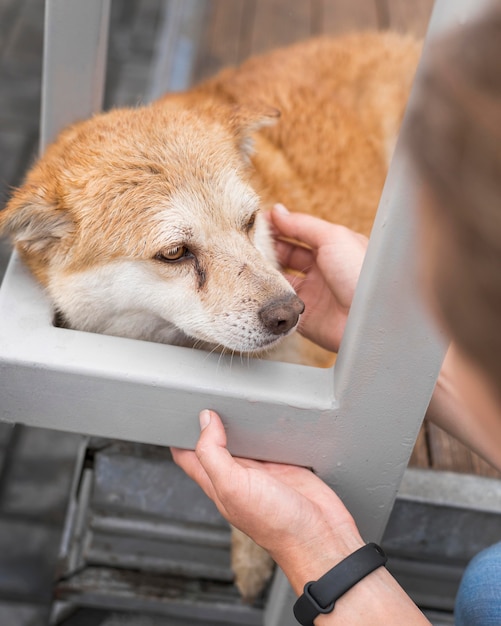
pixel 317 16
pixel 340 16
pixel 239 28
pixel 280 23
pixel 223 36
pixel 446 453
pixel 420 455
pixel 383 15
pixel 409 16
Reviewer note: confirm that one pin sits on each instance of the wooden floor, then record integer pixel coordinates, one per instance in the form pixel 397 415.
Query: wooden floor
pixel 236 29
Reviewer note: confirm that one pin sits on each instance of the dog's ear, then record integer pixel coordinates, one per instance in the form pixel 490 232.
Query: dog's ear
pixel 245 120
pixel 248 118
pixel 33 220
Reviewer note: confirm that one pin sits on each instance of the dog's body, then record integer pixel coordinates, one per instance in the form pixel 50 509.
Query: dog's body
pixel 145 223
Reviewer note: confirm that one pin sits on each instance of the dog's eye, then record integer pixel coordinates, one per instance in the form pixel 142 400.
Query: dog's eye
pixel 250 222
pixel 173 254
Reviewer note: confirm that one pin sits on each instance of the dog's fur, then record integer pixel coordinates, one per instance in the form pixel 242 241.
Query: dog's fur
pixel 146 222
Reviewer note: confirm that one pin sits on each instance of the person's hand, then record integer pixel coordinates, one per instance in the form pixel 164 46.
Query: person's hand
pixel 328 258
pixel 286 509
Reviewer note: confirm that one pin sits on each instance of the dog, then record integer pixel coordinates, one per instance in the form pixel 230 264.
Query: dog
pixel 148 223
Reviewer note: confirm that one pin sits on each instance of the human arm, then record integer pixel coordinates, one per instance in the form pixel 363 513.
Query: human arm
pixel 299 520
pixel 463 406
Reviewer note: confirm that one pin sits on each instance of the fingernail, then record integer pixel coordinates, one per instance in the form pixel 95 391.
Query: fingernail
pixel 280 208
pixel 204 419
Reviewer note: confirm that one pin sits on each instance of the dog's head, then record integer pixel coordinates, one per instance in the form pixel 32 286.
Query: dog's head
pixel 143 223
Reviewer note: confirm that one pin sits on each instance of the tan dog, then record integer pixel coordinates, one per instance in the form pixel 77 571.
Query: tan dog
pixel 147 223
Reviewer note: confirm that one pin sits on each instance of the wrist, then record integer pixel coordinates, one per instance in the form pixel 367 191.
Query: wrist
pixel 376 599
pixel 310 558
pixel 320 596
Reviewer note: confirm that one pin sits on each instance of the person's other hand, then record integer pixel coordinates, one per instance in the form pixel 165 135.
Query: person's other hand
pixel 286 509
pixel 328 258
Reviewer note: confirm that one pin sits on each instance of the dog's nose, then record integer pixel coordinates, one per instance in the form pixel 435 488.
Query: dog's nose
pixel 281 314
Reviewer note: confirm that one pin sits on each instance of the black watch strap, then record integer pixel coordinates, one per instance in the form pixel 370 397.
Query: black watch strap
pixel 320 596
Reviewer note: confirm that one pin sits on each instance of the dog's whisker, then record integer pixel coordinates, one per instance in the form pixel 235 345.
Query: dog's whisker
pixel 221 354
pixel 296 281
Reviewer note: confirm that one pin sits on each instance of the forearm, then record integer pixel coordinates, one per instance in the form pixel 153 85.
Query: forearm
pixel 481 432
pixel 376 599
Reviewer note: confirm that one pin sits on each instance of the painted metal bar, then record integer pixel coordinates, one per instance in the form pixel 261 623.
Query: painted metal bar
pixel 147 392
pixel 177 46
pixel 391 352
pixel 74 63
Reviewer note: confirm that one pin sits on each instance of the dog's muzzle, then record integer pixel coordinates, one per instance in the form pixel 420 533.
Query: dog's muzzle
pixel 282 314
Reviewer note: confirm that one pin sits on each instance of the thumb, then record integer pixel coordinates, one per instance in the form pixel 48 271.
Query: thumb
pixel 211 447
pixel 278 218
pixel 212 428
pixel 302 227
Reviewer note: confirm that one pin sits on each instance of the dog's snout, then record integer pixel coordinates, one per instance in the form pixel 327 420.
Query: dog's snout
pixel 281 314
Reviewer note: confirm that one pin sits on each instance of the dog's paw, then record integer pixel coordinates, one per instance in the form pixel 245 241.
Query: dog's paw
pixel 252 566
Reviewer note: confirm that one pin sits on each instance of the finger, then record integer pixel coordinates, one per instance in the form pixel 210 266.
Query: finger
pixel 188 461
pixel 211 463
pixel 307 229
pixel 295 257
pixel 211 435
pixel 211 449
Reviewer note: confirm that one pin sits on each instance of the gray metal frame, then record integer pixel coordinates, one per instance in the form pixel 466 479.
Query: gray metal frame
pixel 74 63
pixel 355 424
